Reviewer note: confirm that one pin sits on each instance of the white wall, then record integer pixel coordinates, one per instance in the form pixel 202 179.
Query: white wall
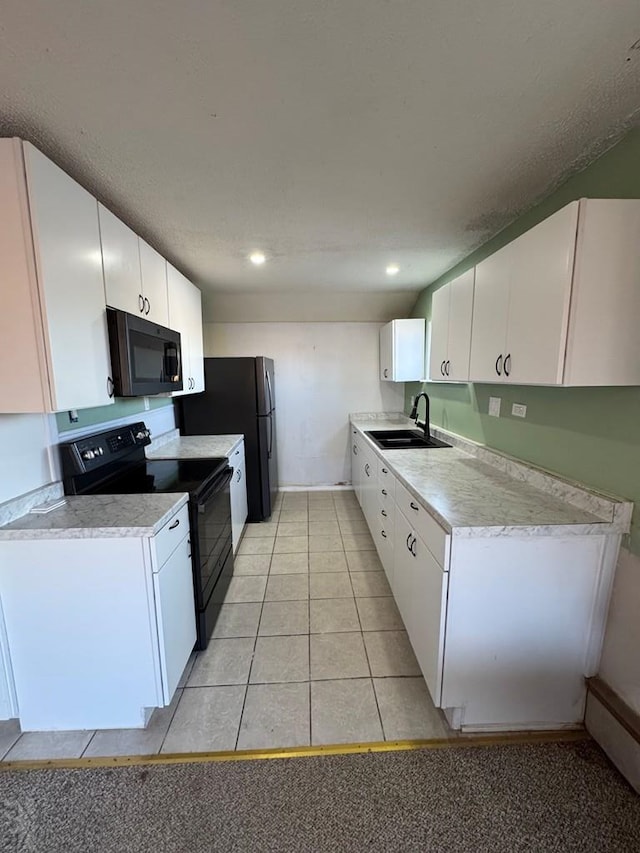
pixel 24 454
pixel 323 372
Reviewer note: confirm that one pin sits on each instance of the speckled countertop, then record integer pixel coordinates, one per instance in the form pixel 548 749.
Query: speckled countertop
pixel 195 447
pixel 468 496
pixel 99 516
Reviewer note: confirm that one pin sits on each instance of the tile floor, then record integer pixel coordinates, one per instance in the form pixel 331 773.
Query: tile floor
pixel 308 649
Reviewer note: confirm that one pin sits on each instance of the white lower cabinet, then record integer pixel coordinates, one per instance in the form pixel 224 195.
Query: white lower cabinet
pixel 239 505
pixel 505 628
pixel 99 630
pixel 420 588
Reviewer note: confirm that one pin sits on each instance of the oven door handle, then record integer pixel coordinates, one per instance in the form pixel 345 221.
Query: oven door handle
pixel 217 486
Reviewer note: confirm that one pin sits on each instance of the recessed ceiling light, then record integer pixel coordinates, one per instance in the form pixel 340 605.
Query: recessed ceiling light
pixel 257 258
pixel 393 269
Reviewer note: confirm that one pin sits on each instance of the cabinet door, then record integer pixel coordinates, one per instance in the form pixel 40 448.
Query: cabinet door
pixel 66 233
pixel 239 506
pixel 121 264
pixel 185 316
pixel 460 313
pixel 403 567
pixel 427 614
pixel 196 341
pixel 439 333
pixel 539 300
pixel 490 311
pixel 153 270
pixel 386 352
pixel 409 339
pixel 175 612
pixel 355 464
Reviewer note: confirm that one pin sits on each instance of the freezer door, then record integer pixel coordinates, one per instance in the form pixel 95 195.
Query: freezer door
pixel 265 385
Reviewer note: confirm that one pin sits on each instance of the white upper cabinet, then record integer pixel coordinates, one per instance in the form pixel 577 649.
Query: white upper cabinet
pixel 451 311
pixel 121 264
pixel 560 305
pixel 402 350
pixel 521 305
pixel 135 275
pixel 603 344
pixel 153 270
pixel 54 352
pixel 185 316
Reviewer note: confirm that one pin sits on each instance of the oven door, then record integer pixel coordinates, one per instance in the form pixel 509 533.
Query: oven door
pixel 211 532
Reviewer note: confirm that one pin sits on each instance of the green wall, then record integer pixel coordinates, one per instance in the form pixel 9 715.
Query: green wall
pixel 591 435
pixel 101 414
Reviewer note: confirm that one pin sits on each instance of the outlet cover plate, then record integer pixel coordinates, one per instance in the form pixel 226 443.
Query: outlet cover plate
pixel 519 410
pixel 494 406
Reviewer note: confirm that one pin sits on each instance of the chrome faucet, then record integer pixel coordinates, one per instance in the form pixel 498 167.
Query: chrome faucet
pixel 414 413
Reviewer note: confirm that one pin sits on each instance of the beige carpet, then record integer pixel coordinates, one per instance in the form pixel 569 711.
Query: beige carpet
pixel 535 797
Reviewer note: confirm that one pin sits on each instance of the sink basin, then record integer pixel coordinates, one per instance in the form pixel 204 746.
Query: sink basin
pixel 398 439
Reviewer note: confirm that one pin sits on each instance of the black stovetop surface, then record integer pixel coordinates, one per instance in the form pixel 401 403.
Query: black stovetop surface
pixel 161 475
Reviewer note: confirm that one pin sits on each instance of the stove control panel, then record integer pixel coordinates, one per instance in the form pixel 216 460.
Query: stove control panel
pixel 93 452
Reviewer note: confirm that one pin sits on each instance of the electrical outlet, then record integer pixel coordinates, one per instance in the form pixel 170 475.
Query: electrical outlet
pixel 73 416
pixel 146 404
pixel 494 406
pixel 519 410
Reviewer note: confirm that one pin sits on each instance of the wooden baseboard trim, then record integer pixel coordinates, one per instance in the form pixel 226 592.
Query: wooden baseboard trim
pixel 464 741
pixel 616 706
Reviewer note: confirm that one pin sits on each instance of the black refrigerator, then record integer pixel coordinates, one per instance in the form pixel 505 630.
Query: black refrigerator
pixel 239 396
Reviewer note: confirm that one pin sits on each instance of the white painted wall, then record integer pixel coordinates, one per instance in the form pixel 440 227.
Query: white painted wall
pixel 24 454
pixel 620 663
pixel 323 372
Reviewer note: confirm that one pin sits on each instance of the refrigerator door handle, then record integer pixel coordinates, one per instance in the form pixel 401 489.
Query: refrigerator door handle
pixel 266 373
pixel 270 435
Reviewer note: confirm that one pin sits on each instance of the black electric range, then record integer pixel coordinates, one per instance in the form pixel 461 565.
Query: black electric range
pixel 114 463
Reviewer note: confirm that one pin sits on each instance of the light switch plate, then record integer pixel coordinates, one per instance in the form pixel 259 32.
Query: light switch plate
pixel 519 410
pixel 494 406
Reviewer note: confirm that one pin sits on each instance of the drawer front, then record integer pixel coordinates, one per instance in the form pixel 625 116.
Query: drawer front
pixel 386 480
pixel 434 536
pixel 171 535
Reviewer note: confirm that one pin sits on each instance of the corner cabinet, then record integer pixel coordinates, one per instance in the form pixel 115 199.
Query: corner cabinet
pixel 185 316
pixel 54 351
pixel 560 304
pixel 402 350
pixel 451 312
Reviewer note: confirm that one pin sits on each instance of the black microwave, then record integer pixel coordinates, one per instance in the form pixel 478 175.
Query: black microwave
pixel 145 358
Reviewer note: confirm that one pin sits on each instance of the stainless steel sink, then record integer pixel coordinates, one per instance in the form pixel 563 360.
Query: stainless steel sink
pixel 398 439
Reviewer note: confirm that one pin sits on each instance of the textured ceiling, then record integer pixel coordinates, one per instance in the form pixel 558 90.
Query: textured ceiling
pixel 337 135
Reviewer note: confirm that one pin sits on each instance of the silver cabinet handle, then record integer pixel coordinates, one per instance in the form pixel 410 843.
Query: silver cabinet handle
pixel 386 372
pixel 507 370
pixel 355 450
pixel 442 368
pixel 239 476
pixel 408 546
pixel 383 512
pixel 382 533
pixel 414 507
pixel 236 453
pixel 175 524
pixel 147 306
pixel 110 387
pixel 384 492
pixel 446 367
pixel 499 365
pixel 141 303
pixel 385 471
pixel 366 469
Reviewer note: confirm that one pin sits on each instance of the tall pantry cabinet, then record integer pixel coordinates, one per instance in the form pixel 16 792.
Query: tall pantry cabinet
pixel 54 351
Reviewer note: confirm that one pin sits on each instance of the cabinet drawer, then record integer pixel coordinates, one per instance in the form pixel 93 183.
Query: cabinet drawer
pixel 434 537
pixel 386 480
pixel 169 537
